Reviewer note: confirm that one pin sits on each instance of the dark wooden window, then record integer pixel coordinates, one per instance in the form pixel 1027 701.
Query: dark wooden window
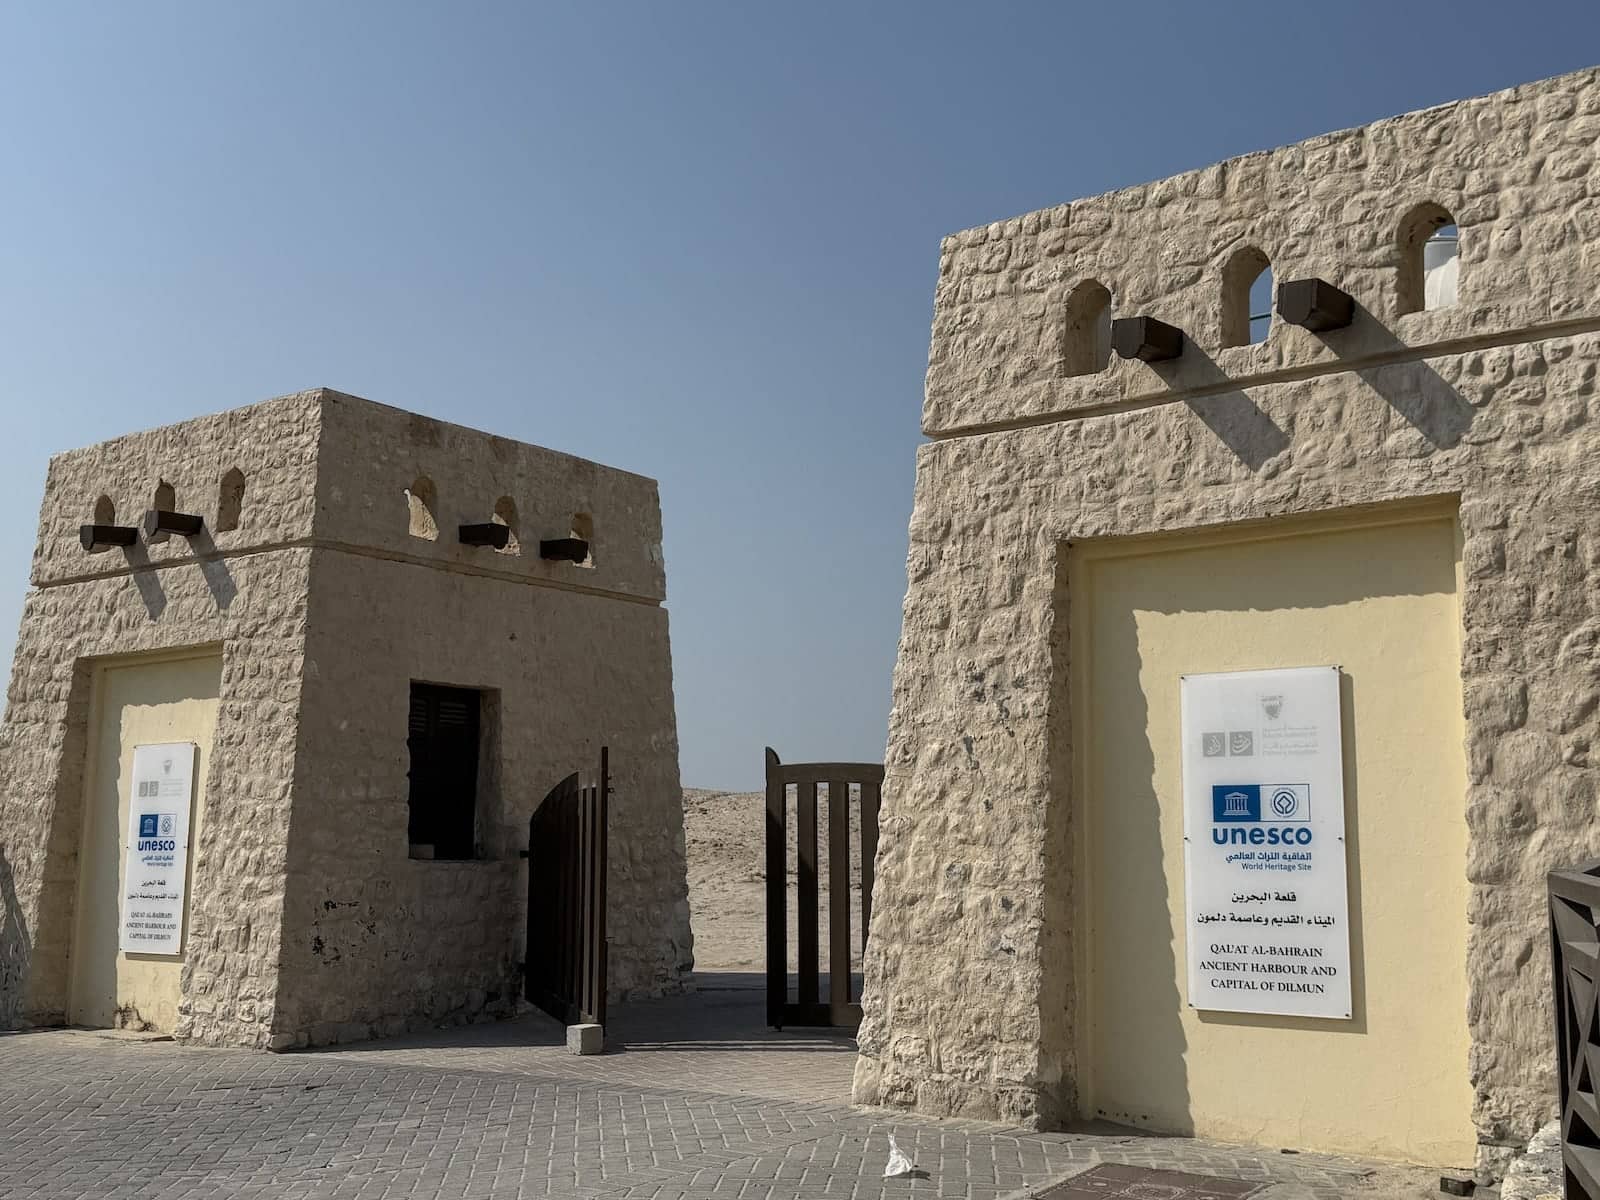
pixel 443 741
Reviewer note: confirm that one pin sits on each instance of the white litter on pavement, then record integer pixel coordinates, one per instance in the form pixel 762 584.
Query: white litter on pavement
pixel 899 1164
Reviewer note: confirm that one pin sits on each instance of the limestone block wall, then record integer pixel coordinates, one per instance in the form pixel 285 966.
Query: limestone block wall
pixel 330 574
pixel 243 589
pixel 371 454
pixel 573 656
pixel 1491 402
pixel 1516 170
pixel 376 941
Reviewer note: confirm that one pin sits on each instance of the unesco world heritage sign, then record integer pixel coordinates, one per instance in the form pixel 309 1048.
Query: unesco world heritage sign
pixel 156 867
pixel 1264 849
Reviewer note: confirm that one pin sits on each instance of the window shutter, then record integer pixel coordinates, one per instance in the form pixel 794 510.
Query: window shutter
pixel 443 741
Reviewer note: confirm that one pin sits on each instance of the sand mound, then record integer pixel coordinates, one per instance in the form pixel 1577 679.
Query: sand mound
pixel 725 837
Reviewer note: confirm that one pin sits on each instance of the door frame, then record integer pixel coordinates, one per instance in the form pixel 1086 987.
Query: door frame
pixel 1076 561
pixel 99 666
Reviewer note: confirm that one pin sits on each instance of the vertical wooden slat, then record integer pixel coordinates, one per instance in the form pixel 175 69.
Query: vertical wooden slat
pixel 583 948
pixel 533 952
pixel 838 899
pixel 575 871
pixel 603 869
pixel 559 895
pixel 806 828
pixel 545 913
pixel 871 795
pixel 591 896
pixel 777 894
pixel 564 930
pixel 537 965
pixel 1559 995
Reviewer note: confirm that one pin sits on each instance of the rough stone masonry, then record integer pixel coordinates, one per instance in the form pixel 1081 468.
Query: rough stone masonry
pixel 329 574
pixel 1037 439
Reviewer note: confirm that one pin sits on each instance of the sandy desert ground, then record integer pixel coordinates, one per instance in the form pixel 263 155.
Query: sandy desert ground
pixel 725 834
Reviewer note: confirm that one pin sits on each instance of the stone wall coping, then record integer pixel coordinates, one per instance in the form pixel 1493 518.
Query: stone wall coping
pixel 327 469
pixel 1512 170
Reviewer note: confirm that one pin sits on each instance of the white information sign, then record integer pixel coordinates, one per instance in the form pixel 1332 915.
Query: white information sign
pixel 156 864
pixel 1264 861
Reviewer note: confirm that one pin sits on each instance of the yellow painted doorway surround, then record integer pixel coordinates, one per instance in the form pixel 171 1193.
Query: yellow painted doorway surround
pixel 135 702
pixel 1376 594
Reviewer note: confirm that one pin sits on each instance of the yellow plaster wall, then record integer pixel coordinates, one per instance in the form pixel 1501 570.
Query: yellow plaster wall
pixel 135 704
pixel 1380 600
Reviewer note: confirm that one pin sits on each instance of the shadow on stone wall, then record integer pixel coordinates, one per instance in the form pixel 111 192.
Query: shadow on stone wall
pixel 15 947
pixel 150 591
pixel 1411 387
pixel 214 568
pixel 1227 411
pixel 1428 402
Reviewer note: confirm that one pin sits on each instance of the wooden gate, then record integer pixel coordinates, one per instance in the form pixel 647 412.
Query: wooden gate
pixel 565 971
pixel 843 1004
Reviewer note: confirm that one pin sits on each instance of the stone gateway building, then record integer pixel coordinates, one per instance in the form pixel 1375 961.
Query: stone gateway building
pixel 1398 476
pixel 371 674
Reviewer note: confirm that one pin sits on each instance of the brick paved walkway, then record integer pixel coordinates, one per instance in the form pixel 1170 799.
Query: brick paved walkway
pixel 698 1102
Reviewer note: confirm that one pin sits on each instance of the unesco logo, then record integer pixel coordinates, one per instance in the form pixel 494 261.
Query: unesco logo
pixel 1285 803
pixel 1246 814
pixel 158 831
pixel 1261 802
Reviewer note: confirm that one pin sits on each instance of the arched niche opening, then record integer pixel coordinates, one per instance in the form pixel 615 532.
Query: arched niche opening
pixel 165 499
pixel 230 500
pixel 505 513
pixel 583 527
pixel 1428 247
pixel 422 503
pixel 1086 338
pixel 92 539
pixel 1246 297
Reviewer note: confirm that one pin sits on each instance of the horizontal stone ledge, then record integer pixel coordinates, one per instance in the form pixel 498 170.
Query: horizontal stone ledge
pixel 1184 382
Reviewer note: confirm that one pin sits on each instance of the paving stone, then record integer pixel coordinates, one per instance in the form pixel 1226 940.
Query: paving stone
pixel 703 1103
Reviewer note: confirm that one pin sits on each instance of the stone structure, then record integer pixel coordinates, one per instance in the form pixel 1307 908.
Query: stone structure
pixel 328 577
pixel 1040 441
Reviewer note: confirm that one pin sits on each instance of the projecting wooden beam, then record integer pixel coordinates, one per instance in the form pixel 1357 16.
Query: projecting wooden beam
pixel 1315 304
pixel 102 537
pixel 1146 339
pixel 159 522
pixel 570 548
pixel 490 533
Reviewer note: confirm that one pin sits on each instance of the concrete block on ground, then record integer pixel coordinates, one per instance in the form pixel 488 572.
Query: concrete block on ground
pixel 586 1039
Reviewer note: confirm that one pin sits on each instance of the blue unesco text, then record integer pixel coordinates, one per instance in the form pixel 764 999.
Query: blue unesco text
pixel 1262 835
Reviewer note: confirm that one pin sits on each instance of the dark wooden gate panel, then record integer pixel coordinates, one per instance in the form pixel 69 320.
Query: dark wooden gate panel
pixel 841 1007
pixel 565 971
pixel 1575 954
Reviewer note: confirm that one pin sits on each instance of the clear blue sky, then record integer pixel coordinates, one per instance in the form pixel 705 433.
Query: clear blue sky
pixel 697 241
